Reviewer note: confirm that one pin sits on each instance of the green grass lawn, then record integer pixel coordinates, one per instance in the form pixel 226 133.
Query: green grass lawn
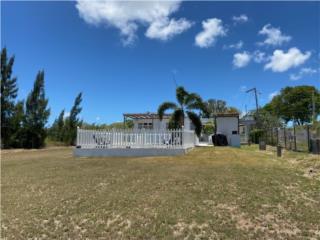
pixel 210 193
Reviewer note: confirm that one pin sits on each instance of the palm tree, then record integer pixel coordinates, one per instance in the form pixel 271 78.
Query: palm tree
pixel 187 102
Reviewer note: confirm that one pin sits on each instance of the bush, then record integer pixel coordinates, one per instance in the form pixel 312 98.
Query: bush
pixel 208 129
pixel 256 135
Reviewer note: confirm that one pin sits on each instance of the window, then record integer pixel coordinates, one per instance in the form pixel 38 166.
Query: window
pixel 145 125
pixel 148 125
pixel 234 132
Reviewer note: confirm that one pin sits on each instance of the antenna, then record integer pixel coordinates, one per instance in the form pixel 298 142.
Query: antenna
pixel 174 78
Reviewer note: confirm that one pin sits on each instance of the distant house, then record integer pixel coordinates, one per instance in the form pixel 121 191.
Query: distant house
pixel 246 123
pixel 147 120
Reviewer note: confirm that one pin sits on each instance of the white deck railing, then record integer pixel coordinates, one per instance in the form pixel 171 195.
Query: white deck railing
pixel 125 138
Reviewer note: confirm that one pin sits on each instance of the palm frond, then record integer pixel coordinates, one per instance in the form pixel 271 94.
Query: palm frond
pixel 193 101
pixel 195 119
pixel 164 107
pixel 181 94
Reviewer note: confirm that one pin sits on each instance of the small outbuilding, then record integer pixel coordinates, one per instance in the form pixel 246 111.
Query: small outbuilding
pixel 228 125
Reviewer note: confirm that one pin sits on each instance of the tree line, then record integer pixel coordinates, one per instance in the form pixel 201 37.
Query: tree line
pixel 64 129
pixel 23 122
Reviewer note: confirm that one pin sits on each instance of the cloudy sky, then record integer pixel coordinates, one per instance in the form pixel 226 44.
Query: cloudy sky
pixel 124 56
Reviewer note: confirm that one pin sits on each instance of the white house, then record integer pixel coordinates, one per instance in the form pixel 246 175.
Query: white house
pixel 147 120
pixel 228 125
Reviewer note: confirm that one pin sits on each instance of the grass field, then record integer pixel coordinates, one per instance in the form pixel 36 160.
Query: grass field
pixel 210 193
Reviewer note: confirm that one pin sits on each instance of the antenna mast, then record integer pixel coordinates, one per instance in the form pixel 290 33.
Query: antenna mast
pixel 174 78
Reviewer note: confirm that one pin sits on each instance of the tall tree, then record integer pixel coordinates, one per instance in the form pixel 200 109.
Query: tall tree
pixel 60 126
pixel 214 106
pixel 187 102
pixel 73 121
pixel 17 137
pixel 295 104
pixel 9 92
pixel 56 131
pixel 37 114
pixel 232 110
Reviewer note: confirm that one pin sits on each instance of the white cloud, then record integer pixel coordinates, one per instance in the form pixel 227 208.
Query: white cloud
pixel 97 118
pixel 128 15
pixel 281 61
pixel 303 72
pixel 273 35
pixel 244 58
pixel 240 19
pixel 241 59
pixel 273 94
pixel 259 56
pixel 165 29
pixel 243 88
pixel 212 29
pixel 237 45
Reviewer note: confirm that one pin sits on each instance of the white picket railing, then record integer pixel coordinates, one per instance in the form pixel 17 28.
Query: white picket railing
pixel 127 138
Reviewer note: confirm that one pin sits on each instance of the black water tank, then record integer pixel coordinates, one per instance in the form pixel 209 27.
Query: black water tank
pixel 219 140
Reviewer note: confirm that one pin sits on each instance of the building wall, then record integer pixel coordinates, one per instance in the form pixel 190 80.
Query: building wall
pixel 150 123
pixel 128 152
pixel 229 126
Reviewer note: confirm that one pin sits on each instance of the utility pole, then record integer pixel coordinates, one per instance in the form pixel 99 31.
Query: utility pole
pixel 256 98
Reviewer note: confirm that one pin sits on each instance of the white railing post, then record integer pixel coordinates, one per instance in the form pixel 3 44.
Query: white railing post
pixel 78 136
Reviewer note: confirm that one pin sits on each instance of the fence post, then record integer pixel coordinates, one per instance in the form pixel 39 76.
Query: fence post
pixel 279 151
pixel 78 136
pixel 285 137
pixel 267 136
pixel 183 136
pixel 294 137
pixel 308 138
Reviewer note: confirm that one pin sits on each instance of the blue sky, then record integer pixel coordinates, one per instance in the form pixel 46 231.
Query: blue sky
pixel 123 56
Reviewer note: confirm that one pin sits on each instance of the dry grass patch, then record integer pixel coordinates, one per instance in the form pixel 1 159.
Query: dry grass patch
pixel 210 193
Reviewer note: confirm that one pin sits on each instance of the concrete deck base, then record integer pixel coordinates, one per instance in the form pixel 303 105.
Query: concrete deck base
pixel 127 152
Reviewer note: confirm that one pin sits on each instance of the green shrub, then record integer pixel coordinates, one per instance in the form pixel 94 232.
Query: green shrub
pixel 256 135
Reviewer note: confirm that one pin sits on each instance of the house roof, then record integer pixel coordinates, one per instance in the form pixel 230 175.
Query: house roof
pixel 227 115
pixel 144 115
